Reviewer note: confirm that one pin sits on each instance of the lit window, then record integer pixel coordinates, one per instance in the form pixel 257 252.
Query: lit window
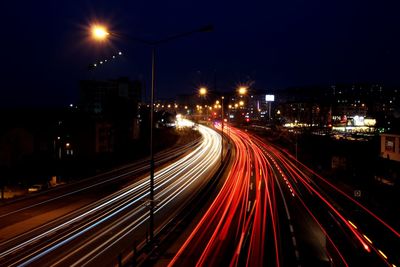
pixel 389 143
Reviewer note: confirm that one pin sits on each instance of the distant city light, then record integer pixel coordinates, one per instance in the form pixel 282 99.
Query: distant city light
pixel 181 122
pixel 369 122
pixel 358 120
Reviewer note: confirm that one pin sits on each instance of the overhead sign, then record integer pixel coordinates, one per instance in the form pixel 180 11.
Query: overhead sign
pixel 270 98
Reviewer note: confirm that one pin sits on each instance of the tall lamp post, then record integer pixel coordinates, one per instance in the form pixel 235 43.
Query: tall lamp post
pixel 203 92
pixel 101 33
pixel 222 129
pixel 242 90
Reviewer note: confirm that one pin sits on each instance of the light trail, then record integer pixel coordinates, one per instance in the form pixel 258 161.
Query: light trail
pixel 119 215
pixel 128 170
pixel 299 176
pixel 232 229
pixel 233 233
pixel 325 181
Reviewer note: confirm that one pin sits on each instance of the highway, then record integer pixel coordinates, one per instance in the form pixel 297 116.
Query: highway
pixel 274 211
pixel 95 233
pixel 20 215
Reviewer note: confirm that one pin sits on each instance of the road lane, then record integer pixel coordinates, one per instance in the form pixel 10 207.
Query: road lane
pixel 273 210
pixel 95 232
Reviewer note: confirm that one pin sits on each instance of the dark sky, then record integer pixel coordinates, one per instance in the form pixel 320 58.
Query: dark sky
pixel 270 44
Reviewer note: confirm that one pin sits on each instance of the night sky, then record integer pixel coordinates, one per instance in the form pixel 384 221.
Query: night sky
pixel 45 48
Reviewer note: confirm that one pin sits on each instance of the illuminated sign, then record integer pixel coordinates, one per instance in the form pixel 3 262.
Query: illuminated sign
pixel 270 98
pixel 358 120
pixel 369 122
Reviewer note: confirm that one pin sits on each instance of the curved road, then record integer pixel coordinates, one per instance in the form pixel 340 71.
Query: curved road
pixel 274 211
pixel 97 233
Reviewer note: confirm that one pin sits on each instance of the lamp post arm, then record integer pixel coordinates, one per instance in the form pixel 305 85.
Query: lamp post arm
pixel 207 28
pixel 131 38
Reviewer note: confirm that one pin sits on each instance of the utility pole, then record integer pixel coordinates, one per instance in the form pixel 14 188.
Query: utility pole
pixel 151 195
pixel 222 129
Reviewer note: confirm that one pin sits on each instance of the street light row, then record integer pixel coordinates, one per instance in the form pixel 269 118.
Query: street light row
pixel 101 62
pixel 242 90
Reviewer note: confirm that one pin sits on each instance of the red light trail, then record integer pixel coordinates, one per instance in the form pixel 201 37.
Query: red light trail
pixel 244 225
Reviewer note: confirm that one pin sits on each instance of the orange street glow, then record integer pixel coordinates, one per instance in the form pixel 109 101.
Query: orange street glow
pixel 99 32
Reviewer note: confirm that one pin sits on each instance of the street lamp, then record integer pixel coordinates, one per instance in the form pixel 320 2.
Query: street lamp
pixel 203 91
pixel 222 129
pixel 242 90
pixel 101 33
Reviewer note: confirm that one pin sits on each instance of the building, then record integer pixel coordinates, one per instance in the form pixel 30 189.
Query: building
pixel 100 96
pixel 114 107
pixel 345 107
pixel 390 146
pixel 304 106
pixel 259 107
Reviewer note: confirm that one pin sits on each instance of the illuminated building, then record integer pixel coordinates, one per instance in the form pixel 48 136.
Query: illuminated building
pixel 359 107
pixel 390 146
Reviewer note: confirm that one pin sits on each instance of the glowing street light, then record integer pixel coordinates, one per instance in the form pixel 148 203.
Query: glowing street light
pixel 203 91
pixel 242 90
pixel 99 32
